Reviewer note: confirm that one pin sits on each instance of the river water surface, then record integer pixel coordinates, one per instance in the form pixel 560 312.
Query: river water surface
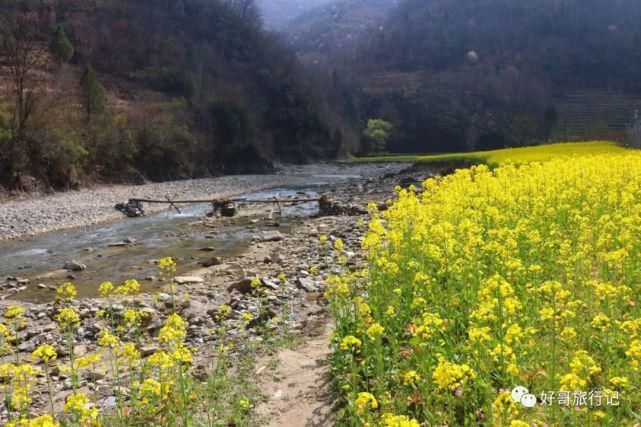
pixel 167 233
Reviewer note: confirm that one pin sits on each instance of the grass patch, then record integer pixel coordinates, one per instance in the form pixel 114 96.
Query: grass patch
pixel 496 157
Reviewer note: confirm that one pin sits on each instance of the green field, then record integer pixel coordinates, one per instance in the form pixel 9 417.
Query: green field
pixel 495 157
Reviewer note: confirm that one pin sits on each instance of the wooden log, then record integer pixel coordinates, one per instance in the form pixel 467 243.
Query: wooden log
pixel 182 202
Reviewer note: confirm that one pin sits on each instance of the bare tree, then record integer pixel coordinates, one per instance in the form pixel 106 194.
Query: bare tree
pixel 22 49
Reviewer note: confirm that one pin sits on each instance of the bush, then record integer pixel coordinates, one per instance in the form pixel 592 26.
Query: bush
pixel 164 151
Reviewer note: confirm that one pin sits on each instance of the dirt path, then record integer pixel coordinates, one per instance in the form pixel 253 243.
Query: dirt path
pixel 298 389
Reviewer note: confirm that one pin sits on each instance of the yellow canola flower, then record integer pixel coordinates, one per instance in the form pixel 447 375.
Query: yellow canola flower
pixel 365 401
pixel 182 355
pixel 129 352
pixel 134 318
pixel 375 331
pixel 167 266
pixel 14 312
pixel 450 376
pixel 79 404
pixel 161 360
pixel 109 340
pixel 350 343
pixel 504 405
pixel 173 331
pixel 410 377
pixel 391 420
pixel 87 361
pixel 45 420
pixel 46 353
pixel 66 292
pixel 129 287
pixel 105 289
pixel 67 318
pixel 244 403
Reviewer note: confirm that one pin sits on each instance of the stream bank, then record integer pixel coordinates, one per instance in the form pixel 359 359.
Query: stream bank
pixel 290 262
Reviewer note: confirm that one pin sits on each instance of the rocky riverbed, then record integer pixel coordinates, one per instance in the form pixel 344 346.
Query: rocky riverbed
pixel 291 266
pixel 23 215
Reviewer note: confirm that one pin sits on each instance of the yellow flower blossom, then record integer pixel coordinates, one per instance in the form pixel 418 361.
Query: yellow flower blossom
pixel 350 343
pixel 45 352
pixel 14 312
pixel 450 376
pixel 375 331
pixel 67 318
pixel 66 292
pixel 365 401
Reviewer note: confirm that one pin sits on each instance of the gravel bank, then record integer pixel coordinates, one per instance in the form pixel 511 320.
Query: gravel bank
pixel 33 215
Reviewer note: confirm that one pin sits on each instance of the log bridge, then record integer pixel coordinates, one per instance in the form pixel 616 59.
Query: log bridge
pixel 227 207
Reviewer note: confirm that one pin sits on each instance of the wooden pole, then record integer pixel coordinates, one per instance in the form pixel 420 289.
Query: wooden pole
pixel 172 204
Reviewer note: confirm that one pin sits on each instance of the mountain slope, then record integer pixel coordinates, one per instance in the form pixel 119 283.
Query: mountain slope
pixel 277 13
pixel 194 87
pixel 467 74
pixel 325 33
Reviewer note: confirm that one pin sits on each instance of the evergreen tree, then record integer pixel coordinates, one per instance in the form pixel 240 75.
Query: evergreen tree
pixel 93 93
pixel 60 45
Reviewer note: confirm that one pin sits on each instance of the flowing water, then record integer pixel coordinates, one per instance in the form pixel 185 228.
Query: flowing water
pixel 167 233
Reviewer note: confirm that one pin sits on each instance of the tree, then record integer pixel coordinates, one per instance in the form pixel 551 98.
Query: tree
pixel 22 46
pixel 60 45
pixel 93 93
pixel 378 133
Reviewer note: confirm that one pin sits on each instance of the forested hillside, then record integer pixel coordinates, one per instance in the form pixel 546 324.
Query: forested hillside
pixel 466 74
pixel 153 89
pixel 325 34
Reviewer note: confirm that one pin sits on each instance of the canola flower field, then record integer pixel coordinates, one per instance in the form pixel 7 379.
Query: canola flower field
pixel 527 274
pixel 517 155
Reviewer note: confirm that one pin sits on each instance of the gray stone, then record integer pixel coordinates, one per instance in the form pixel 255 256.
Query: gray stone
pixel 186 280
pixel 269 236
pixel 74 266
pixel 212 261
pixel 243 286
pixel 163 297
pixel 276 258
pixel 306 284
